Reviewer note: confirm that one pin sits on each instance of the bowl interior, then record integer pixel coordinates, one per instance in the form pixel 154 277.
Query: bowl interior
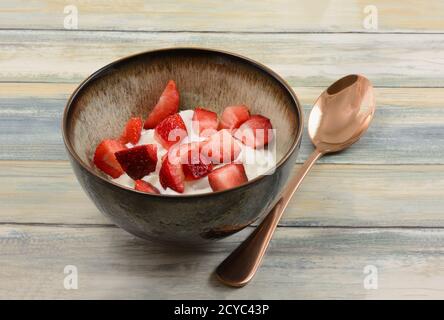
pixel 131 87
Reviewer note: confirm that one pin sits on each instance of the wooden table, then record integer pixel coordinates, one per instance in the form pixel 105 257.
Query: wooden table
pixel 378 207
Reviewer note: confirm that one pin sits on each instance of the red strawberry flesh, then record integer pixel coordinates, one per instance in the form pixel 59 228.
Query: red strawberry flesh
pixel 141 185
pixel 167 105
pixel 105 160
pixel 139 161
pixel 205 122
pixel 256 132
pixel 227 177
pixel 234 116
pixel 132 131
pixel 194 164
pixel 170 131
pixel 171 176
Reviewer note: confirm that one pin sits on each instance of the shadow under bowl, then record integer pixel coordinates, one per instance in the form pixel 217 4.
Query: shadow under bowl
pixel 101 104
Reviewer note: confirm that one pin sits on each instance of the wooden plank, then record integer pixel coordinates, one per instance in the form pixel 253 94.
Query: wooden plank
pixel 302 263
pixel 44 192
pixel 397 97
pixel 247 15
pixel 407 129
pixel 332 195
pixel 303 59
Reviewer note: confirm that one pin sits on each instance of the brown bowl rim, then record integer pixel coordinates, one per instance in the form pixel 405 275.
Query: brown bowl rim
pixel 252 62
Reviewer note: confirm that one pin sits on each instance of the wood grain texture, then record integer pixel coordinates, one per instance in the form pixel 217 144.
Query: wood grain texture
pixel 301 263
pixel 408 127
pixel 303 59
pixel 34 192
pixel 225 16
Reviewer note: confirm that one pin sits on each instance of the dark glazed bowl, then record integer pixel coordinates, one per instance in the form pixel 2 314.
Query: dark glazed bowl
pixel 101 105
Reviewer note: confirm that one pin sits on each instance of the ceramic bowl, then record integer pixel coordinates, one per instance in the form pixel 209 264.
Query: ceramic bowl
pixel 102 104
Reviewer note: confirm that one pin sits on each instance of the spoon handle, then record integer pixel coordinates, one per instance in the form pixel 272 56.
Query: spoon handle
pixel 241 265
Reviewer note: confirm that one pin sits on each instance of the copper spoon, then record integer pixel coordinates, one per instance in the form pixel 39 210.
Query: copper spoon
pixel 340 116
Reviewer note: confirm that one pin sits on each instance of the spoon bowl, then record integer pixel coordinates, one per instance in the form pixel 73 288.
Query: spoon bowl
pixel 340 116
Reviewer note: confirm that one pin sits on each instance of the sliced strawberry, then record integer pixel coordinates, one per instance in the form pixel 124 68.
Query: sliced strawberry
pixel 194 164
pixel 227 177
pixel 167 105
pixel 105 160
pixel 170 131
pixel 205 122
pixel 256 132
pixel 234 116
pixel 139 161
pixel 221 147
pixel 144 186
pixel 171 176
pixel 132 131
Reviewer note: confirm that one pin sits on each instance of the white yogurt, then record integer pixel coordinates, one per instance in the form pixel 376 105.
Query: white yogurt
pixel 256 162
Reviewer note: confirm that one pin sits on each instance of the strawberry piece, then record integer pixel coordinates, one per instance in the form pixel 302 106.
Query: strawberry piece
pixel 139 161
pixel 167 105
pixel 229 176
pixel 105 160
pixel 194 171
pixel 144 186
pixel 194 164
pixel 170 131
pixel 234 116
pixel 205 122
pixel 221 147
pixel 171 176
pixel 132 131
pixel 255 132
